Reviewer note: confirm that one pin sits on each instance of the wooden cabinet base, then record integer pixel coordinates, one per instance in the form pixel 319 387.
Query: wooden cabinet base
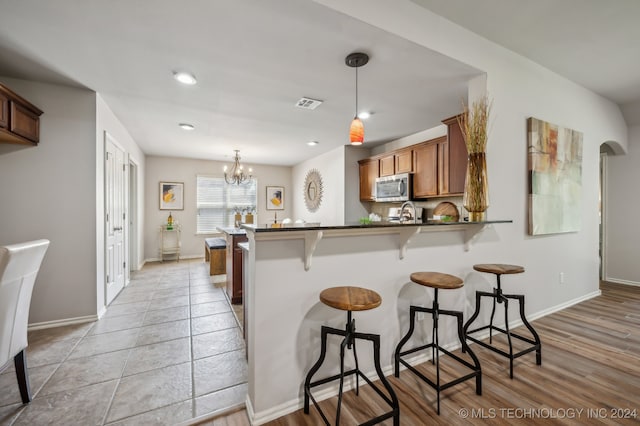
pixel 234 267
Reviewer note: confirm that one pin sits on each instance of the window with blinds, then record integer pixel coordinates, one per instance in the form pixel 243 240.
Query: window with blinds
pixel 217 202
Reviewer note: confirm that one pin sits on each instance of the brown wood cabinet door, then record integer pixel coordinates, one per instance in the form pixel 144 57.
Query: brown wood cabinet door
pixel 237 276
pixel 443 167
pixel 425 178
pixel 404 161
pixel 457 156
pixel 234 267
pixel 387 166
pixel 24 122
pixel 4 111
pixel 368 175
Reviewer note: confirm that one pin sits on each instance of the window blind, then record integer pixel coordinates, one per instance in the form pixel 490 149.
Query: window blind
pixel 217 202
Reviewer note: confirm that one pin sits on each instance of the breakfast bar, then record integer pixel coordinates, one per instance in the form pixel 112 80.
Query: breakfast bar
pixel 288 267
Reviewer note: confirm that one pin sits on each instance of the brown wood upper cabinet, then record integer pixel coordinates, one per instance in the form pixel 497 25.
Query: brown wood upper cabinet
pixel 404 161
pixel 369 171
pixel 19 119
pixel 400 161
pixel 441 164
pixel 387 165
pixel 425 179
pixel 438 165
pixel 456 157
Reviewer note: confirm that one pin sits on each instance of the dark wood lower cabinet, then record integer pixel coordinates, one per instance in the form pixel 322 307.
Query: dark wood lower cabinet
pixel 234 267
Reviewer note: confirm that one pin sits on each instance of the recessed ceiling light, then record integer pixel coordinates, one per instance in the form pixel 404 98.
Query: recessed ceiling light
pixel 364 115
pixel 313 143
pixel 186 126
pixel 185 77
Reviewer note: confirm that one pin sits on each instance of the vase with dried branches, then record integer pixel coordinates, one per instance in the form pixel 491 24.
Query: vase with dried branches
pixel 473 123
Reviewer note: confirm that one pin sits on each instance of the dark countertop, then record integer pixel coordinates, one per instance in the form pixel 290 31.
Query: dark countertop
pixel 303 227
pixel 232 231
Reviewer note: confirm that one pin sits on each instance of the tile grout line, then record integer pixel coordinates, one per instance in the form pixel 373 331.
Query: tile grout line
pixel 191 353
pixel 124 367
pixel 33 396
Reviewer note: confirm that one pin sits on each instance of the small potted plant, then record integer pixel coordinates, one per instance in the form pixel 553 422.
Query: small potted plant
pixel 237 218
pixel 248 217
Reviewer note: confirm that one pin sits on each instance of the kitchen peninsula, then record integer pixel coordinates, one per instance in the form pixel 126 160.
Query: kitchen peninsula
pixel 288 268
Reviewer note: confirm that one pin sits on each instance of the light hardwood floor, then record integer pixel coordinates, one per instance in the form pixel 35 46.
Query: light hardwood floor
pixel 590 374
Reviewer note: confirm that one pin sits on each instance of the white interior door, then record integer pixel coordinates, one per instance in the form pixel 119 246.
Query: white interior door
pixel 115 215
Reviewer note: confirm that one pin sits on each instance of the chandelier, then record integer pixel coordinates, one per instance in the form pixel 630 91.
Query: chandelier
pixel 236 175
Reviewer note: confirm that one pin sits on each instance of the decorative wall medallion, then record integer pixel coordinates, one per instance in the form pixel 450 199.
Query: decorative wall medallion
pixel 313 190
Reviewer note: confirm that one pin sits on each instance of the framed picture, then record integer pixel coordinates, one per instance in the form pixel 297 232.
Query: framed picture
pixel 555 178
pixel 171 196
pixel 275 197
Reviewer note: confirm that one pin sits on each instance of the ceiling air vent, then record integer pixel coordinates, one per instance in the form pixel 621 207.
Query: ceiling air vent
pixel 308 103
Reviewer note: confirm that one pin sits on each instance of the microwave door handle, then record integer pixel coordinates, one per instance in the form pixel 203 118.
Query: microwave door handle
pixel 401 187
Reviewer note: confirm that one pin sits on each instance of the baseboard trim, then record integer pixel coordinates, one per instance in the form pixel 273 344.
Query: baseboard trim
pixel 207 418
pixel 157 259
pixel 288 407
pixel 625 282
pixel 102 312
pixel 62 322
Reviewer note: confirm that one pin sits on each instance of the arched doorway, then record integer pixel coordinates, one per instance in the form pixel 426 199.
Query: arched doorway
pixel 607 149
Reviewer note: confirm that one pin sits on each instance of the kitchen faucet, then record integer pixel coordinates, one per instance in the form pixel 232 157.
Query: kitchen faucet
pixel 413 211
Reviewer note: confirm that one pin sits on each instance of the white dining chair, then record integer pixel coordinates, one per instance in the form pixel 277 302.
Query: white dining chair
pixel 19 266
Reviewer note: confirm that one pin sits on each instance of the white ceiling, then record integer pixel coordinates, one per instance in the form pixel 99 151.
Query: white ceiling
pixel 255 59
pixel 595 43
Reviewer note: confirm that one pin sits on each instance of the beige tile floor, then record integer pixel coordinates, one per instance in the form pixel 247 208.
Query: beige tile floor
pixel 168 350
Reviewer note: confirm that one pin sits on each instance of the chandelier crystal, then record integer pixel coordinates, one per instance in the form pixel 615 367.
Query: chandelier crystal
pixel 236 174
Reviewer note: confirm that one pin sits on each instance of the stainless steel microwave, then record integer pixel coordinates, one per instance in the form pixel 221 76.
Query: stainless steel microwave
pixel 393 188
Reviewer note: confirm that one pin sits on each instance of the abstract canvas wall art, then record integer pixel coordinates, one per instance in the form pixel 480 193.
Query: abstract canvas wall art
pixel 555 178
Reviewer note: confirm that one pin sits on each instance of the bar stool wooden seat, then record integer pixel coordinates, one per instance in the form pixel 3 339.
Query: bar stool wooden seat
pixel 438 281
pixel 351 299
pixel 499 297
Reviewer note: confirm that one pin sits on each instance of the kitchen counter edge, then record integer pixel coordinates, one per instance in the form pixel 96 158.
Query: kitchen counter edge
pixel 261 229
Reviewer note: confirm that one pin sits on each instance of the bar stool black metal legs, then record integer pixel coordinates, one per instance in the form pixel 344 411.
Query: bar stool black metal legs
pixel 438 281
pixel 345 298
pixel 499 297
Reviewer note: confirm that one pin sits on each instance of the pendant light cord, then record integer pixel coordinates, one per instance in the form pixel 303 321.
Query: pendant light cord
pixel 356 91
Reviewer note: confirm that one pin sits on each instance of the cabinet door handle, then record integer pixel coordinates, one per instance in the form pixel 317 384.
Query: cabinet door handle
pixel 117 229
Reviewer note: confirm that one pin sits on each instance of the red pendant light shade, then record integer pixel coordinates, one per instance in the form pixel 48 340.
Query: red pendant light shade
pixel 356 132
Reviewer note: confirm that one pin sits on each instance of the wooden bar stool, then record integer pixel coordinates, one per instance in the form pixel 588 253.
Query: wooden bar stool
pixel 498 296
pixel 351 299
pixel 437 281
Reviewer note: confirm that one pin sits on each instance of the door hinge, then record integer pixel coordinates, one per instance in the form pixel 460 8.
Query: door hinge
pixel 107 217
pixel 124 216
pixel 124 168
pixel 124 265
pixel 107 278
pixel 106 155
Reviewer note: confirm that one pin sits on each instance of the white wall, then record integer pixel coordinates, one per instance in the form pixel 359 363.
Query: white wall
pixel 622 235
pixel 170 169
pixel 413 139
pixel 106 121
pixel 331 166
pixel 49 191
pixel 354 209
pixel 519 89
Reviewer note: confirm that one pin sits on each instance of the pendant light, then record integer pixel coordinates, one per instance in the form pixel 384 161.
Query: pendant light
pixel 356 131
